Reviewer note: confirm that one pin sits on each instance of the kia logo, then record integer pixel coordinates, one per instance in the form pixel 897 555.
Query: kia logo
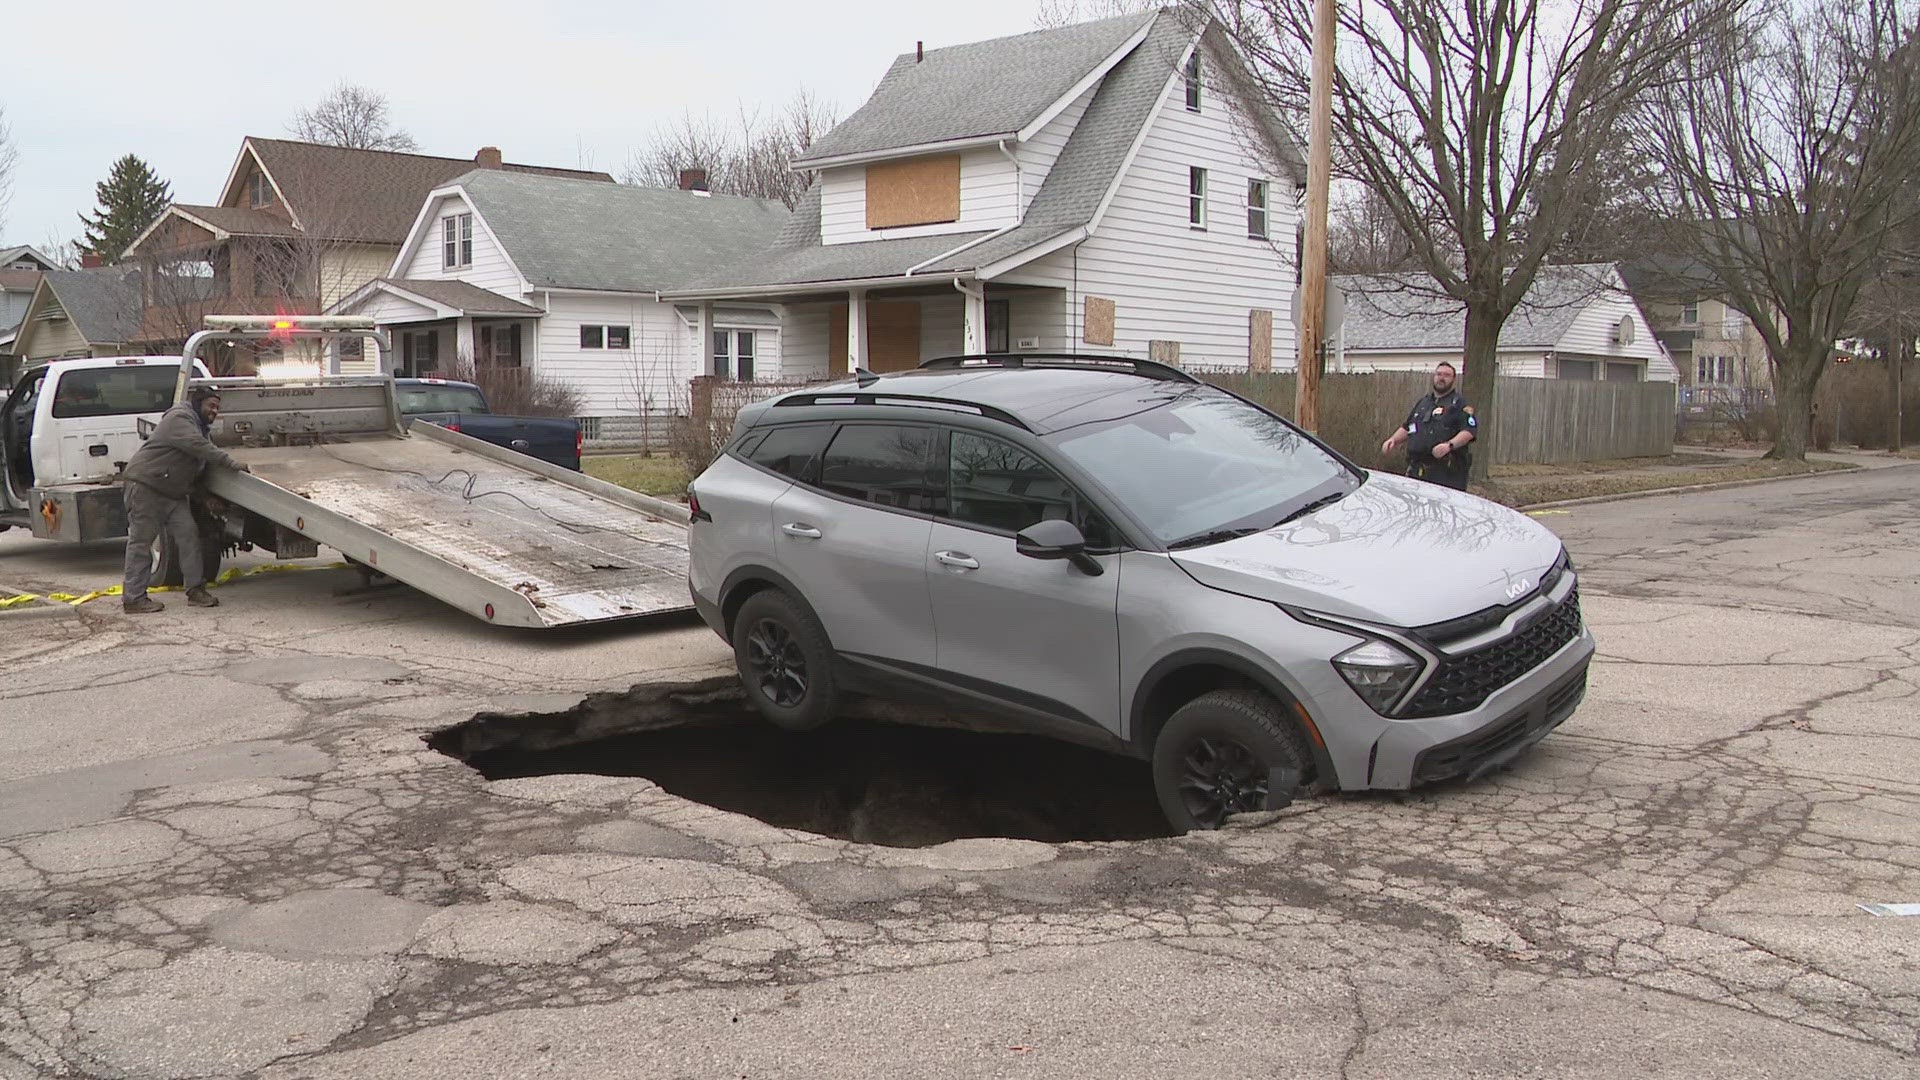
pixel 1517 589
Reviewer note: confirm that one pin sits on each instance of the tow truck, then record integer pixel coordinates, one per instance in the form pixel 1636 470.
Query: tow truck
pixel 505 537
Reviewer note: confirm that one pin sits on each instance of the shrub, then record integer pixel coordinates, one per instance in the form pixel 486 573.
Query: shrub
pixel 513 390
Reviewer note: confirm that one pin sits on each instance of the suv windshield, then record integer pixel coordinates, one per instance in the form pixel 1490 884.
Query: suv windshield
pixel 464 400
pixel 1207 463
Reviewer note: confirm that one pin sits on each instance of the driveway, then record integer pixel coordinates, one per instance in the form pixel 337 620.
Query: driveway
pixel 225 850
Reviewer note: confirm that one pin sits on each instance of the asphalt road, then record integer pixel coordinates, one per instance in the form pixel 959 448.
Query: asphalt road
pixel 225 851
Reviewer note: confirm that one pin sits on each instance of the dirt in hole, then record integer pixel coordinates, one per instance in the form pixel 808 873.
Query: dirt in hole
pixel 875 782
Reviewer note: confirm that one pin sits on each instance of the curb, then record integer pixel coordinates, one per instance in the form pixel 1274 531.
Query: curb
pixel 1717 486
pixel 39 610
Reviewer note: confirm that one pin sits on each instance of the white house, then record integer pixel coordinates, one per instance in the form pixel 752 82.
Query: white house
pixel 563 277
pixel 1576 322
pixel 1105 187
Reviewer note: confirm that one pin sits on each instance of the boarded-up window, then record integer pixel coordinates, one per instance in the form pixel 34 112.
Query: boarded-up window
pixel 918 191
pixel 893 336
pixel 1260 340
pixel 1165 352
pixel 1097 313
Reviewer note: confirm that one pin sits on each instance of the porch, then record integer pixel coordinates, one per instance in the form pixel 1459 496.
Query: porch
pixel 449 327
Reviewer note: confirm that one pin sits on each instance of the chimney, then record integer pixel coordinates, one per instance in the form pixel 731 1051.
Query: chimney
pixel 488 157
pixel 919 51
pixel 693 179
pixel 91 262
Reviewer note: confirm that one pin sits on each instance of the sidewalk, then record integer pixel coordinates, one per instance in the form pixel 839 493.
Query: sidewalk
pixel 1534 486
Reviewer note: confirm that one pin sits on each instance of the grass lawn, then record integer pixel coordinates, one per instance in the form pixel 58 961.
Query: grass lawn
pixel 1543 484
pixel 660 476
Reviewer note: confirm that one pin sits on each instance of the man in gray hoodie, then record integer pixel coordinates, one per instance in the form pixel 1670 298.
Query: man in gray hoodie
pixel 160 479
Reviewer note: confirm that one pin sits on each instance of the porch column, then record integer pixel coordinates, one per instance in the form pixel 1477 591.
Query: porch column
pixel 856 330
pixel 976 316
pixel 463 340
pixel 704 356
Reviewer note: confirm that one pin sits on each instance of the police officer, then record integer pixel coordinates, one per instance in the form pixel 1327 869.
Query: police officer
pixel 1437 432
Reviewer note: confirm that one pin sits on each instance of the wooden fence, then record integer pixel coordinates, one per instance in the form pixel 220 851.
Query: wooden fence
pixel 1532 421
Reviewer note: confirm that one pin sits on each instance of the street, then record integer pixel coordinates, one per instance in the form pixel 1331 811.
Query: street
pixel 226 850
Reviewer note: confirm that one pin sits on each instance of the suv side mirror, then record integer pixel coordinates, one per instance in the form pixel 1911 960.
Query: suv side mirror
pixel 1057 540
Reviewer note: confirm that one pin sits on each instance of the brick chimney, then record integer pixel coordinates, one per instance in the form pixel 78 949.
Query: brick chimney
pixel 488 157
pixel 91 262
pixel 693 179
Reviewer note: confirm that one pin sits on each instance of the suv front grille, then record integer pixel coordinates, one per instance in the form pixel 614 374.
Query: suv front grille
pixel 1464 681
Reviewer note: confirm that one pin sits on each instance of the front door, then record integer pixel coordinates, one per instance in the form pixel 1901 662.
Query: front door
pixel 855 543
pixel 1040 634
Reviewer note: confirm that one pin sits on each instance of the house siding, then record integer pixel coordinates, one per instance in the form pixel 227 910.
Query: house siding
pixel 988 196
pixel 1172 282
pixel 654 372
pixel 51 340
pixel 1038 154
pixel 1593 330
pixel 346 269
pixel 490 269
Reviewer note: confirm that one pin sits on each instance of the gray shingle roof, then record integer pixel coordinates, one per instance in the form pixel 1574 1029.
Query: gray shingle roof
pixel 462 296
pixel 9 254
pixel 580 234
pixel 1390 312
pixel 977 90
pixel 238 220
pixel 103 303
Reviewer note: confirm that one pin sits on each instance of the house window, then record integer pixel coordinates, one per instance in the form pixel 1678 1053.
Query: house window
pixel 619 337
pixel 419 351
pixel 1197 197
pixel 606 337
pixel 1257 209
pixel 1690 314
pixel 733 354
pixel 1193 81
pixel 999 319
pixel 259 190
pixel 917 191
pixel 456 241
pixel 593 337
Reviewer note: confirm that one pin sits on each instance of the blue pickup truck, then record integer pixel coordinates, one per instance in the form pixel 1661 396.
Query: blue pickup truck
pixel 461 407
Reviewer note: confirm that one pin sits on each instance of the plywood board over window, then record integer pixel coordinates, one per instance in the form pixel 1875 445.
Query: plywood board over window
pixel 893 336
pixel 1164 352
pixel 917 191
pixel 1260 340
pixel 1097 314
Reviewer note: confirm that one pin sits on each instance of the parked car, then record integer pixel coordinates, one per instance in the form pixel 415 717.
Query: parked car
pixel 462 407
pixel 1116 553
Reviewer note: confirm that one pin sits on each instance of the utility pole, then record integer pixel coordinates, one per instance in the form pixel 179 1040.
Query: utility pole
pixel 1313 252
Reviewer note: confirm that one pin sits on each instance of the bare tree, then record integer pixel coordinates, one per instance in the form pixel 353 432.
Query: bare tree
pixel 1477 124
pixel 1363 237
pixel 1053 14
pixel 752 156
pixel 1789 143
pixel 9 160
pixel 351 116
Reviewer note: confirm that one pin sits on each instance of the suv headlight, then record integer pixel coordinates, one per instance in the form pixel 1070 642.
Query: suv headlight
pixel 1378 671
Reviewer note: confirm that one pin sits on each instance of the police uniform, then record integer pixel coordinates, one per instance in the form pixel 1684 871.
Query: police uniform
pixel 1436 419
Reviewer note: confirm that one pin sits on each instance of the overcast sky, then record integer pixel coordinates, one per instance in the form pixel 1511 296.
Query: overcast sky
pixel 567 82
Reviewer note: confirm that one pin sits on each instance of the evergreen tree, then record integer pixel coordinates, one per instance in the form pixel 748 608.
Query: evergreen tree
pixel 131 197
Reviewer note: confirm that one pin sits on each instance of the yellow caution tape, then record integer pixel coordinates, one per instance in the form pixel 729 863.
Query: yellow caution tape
pixel 232 574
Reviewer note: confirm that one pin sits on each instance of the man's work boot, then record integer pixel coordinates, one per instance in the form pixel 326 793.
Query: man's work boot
pixel 142 605
pixel 200 597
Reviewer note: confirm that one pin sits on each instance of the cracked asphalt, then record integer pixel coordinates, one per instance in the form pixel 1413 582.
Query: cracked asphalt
pixel 225 851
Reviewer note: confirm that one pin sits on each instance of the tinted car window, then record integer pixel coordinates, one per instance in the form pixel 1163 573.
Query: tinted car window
pixel 996 485
pixel 464 400
pixel 789 450
pixel 115 391
pixel 882 464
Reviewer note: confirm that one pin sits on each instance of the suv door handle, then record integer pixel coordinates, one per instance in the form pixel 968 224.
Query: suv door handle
pixel 957 560
pixel 804 532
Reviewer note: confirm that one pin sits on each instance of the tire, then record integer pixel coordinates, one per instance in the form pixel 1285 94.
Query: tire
pixel 1215 755
pixel 785 662
pixel 168 572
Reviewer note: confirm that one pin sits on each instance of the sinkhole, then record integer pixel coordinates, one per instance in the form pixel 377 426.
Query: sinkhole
pixel 862 779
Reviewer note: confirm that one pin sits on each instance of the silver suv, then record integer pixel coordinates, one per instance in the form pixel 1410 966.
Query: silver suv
pixel 1113 552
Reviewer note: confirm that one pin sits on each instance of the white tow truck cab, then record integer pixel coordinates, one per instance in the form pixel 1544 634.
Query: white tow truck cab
pixel 502 536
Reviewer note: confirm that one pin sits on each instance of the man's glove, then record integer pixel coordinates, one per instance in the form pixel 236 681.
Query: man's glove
pixel 243 467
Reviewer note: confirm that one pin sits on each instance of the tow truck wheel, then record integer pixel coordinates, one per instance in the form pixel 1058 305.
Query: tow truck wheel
pixel 785 662
pixel 1219 754
pixel 212 551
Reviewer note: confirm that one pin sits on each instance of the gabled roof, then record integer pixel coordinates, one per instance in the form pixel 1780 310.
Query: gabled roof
pixel 452 297
pixel 978 91
pixel 574 234
pixel 225 221
pixel 371 196
pixel 103 304
pixel 1407 312
pixel 14 254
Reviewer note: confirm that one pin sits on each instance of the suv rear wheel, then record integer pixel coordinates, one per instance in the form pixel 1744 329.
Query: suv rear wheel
pixel 1217 754
pixel 785 661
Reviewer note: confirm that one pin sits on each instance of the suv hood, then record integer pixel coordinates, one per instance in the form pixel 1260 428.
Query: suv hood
pixel 1396 551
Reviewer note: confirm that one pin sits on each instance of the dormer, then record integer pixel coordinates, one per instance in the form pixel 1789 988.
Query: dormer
pixel 958 140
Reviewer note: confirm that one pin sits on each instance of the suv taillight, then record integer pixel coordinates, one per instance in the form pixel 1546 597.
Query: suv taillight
pixel 579 441
pixel 693 507
pixel 453 425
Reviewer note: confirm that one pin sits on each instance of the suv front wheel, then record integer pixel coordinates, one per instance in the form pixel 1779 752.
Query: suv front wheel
pixel 785 661
pixel 1218 754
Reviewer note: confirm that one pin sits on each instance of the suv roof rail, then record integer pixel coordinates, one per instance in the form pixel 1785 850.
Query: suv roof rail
pixel 1146 369
pixel 864 396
